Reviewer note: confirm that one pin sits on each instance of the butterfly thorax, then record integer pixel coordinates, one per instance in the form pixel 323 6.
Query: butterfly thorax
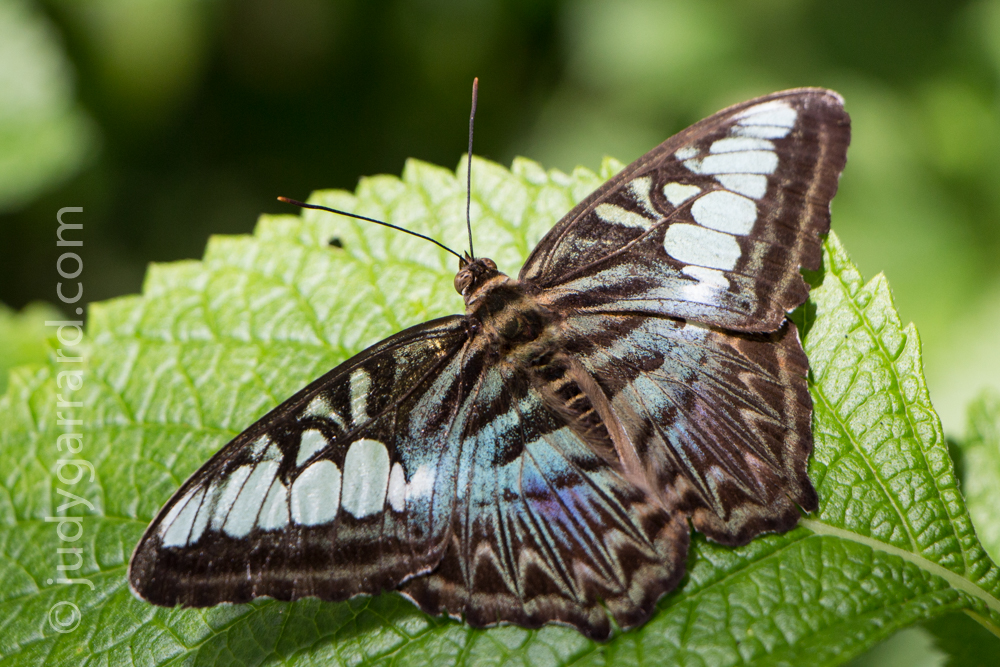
pixel 500 310
pixel 515 330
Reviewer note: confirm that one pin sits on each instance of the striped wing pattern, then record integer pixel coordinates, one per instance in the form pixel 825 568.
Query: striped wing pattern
pixel 736 466
pixel 342 490
pixel 546 527
pixel 538 459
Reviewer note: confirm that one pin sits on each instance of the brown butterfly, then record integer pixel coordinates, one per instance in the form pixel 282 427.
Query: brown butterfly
pixel 539 458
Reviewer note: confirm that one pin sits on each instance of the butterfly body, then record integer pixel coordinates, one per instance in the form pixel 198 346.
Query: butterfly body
pixel 539 458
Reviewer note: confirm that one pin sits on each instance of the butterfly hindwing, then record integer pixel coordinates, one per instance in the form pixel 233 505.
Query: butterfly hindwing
pixel 545 528
pixel 719 420
pixel 713 225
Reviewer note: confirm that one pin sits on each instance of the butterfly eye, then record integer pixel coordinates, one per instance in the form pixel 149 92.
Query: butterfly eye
pixel 489 263
pixel 462 281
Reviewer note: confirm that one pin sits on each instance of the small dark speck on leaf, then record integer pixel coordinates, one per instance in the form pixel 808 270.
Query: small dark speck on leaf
pixel 336 242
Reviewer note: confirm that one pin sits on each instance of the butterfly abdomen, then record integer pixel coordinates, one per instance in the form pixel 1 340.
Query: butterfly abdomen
pixel 561 388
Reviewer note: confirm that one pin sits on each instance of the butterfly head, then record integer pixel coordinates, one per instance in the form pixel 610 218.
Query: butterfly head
pixel 473 274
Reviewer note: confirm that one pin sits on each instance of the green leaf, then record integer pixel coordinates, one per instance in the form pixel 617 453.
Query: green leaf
pixel 981 462
pixel 210 346
pixel 912 647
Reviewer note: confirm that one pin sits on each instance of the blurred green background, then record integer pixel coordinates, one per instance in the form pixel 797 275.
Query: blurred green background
pixel 169 120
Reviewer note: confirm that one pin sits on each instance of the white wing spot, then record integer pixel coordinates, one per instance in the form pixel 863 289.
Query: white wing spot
pixel 692 244
pixel 686 153
pixel 311 442
pixel 620 216
pixel 397 488
pixel 725 211
pixel 171 516
pixel 741 162
pixel 751 185
pixel 712 277
pixel 316 494
pixel 641 188
pixel 228 496
pixel 176 530
pixel 734 144
pixel 775 112
pixel 366 477
pixel 422 483
pixel 260 445
pixel 247 506
pixel 710 282
pixel 677 193
pixel 320 407
pixel 274 512
pixel 361 382
pixel 760 131
pixel 205 513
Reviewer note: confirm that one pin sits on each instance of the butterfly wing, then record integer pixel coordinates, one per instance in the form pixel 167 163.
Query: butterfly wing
pixel 719 421
pixel 329 495
pixel 454 468
pixel 713 224
pixel 547 526
pixel 675 279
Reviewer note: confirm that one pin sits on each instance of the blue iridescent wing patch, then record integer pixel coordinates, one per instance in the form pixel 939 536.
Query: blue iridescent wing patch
pixel 719 420
pixel 546 525
pixel 538 458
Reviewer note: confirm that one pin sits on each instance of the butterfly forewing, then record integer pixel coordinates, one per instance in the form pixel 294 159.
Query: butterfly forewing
pixel 538 459
pixel 713 225
pixel 332 494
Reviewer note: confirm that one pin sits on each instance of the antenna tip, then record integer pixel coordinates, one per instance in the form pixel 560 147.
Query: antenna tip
pixel 285 200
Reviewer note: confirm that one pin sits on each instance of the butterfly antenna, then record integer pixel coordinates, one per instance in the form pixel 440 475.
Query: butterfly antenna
pixel 468 174
pixel 377 222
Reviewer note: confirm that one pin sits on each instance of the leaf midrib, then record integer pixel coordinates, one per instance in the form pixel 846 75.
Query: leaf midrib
pixel 819 528
pixel 847 297
pixel 891 363
pixel 846 434
pixel 954 579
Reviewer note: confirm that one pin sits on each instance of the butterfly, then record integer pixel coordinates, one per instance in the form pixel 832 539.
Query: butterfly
pixel 543 457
